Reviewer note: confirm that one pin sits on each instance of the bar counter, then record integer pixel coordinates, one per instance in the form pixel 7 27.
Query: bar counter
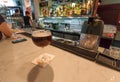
pixel 16 66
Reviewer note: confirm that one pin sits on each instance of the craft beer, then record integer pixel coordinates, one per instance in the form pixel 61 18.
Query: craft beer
pixel 41 38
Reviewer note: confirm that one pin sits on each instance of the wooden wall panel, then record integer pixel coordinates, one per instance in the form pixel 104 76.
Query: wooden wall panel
pixel 110 14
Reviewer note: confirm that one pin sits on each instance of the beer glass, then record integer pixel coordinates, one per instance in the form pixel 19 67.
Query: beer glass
pixel 42 38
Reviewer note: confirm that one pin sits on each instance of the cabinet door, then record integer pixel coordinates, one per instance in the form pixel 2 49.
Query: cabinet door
pixel 105 42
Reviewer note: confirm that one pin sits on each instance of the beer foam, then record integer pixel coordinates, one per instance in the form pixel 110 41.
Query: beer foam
pixel 44 34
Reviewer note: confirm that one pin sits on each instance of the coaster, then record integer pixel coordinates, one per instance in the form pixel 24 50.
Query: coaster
pixel 43 60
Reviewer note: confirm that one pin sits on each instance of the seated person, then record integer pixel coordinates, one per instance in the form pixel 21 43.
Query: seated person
pixel 4 29
pixel 27 19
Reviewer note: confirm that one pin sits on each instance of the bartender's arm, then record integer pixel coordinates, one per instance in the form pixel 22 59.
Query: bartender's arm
pixel 4 28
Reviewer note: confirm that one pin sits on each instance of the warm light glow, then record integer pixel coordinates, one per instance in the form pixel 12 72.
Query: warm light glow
pixel 73 4
pixel 8 2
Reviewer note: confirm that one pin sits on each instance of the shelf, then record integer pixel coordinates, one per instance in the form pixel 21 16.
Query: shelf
pixel 108 61
pixel 69 20
pixel 76 50
pixel 63 17
pixel 67 32
pixel 111 57
pixel 105 60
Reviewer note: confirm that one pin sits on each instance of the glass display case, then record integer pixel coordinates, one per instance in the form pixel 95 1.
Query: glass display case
pixel 62 23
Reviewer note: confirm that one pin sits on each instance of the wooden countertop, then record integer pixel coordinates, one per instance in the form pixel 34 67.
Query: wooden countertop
pixel 16 66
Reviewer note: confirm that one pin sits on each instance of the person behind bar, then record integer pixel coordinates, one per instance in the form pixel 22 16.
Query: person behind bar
pixel 4 29
pixel 27 19
pixel 17 13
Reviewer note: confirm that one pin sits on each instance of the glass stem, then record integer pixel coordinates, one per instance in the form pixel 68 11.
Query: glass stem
pixel 43 50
